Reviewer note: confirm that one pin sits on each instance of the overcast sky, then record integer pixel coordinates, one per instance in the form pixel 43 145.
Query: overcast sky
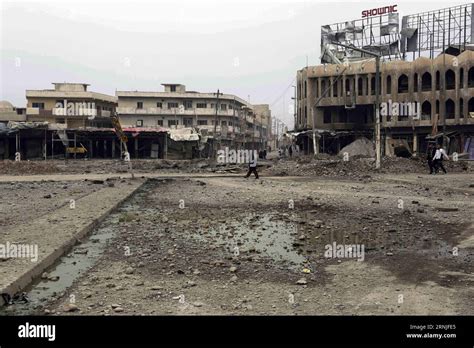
pixel 248 48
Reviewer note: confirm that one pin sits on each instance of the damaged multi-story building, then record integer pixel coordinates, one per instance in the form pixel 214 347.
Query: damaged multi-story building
pixel 230 120
pixel 422 99
pixel 178 124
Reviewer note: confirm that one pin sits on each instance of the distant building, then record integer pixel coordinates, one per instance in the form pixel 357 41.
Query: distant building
pixel 70 104
pixel 237 120
pixel 10 113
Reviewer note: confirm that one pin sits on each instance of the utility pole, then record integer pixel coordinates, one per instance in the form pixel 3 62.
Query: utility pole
pixel 378 154
pixel 215 122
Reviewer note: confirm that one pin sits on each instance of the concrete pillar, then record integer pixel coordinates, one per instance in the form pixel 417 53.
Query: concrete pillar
pixel 105 148
pixel 136 147
pixel 113 148
pixel 388 149
pixel 415 144
pixel 91 152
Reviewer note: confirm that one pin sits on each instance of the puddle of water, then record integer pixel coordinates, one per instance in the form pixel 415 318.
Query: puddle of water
pixel 72 265
pixel 264 233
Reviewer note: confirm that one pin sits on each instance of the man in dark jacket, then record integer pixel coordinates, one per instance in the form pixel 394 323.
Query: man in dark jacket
pixel 430 153
pixel 252 166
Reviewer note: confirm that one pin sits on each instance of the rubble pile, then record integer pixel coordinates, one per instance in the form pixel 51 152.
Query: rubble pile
pixel 359 147
pixel 8 167
pixel 355 167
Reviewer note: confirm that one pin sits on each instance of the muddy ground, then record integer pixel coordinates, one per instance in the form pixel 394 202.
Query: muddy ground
pixel 227 245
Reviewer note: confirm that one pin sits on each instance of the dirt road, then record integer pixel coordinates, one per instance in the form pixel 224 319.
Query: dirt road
pixel 227 245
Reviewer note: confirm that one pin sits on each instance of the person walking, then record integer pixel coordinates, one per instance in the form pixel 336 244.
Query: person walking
pixel 438 159
pixel 252 166
pixel 430 155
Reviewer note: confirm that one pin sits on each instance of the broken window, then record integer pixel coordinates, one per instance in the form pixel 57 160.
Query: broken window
pixel 426 82
pixel 450 109
pixel 470 106
pixel 327 116
pixel 389 84
pixel 172 105
pixel 334 88
pixel 426 110
pixel 450 79
pixel 360 88
pixel 323 88
pixel 403 84
pixel 470 78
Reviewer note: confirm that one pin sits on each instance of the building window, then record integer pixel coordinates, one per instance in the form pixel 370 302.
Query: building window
pixel 389 84
pixel 461 78
pixel 426 110
pixel 213 105
pixel 188 104
pixel 159 105
pixel 139 123
pixel 450 79
pixel 334 88
pixel 327 116
pixel 60 120
pixel 461 108
pixel 202 122
pixel 470 105
pixel 450 109
pixel 173 88
pixel 139 105
pixel 438 84
pixel 403 84
pixel 172 105
pixel 305 89
pixel 223 123
pixel 38 105
pixel 201 105
pixel 223 106
pixel 426 82
pixel 173 122
pixel 415 82
pixel 470 78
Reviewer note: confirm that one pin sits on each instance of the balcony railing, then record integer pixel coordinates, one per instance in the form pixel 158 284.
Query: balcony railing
pixel 177 111
pixel 74 112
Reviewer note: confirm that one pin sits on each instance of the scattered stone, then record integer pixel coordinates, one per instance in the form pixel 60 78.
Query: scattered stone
pixel 302 281
pixel 129 270
pixel 71 308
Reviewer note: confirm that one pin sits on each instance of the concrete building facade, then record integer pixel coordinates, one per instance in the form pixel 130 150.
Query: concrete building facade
pixel 70 104
pixel 233 119
pixel 341 98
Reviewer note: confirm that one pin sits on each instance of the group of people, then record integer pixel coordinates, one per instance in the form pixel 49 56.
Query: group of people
pixel 436 154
